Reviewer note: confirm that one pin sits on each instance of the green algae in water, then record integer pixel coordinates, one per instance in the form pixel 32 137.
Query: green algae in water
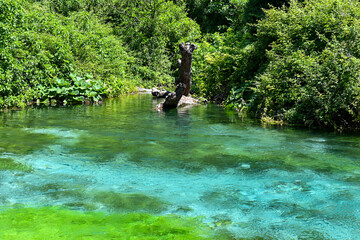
pixel 19 141
pixel 130 202
pixel 12 165
pixel 55 223
pixel 77 197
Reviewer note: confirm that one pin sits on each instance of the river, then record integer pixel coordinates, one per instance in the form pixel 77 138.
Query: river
pixel 242 178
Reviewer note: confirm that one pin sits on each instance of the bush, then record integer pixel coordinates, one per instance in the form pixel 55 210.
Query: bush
pixel 312 76
pixel 214 66
pixel 43 46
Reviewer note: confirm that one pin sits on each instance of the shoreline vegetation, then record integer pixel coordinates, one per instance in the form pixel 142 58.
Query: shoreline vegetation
pixel 293 62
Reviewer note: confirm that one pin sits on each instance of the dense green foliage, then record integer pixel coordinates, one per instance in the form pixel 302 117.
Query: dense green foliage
pixel 215 16
pixel 313 71
pixel 47 52
pixel 152 30
pixel 302 67
pixel 284 61
pixel 77 51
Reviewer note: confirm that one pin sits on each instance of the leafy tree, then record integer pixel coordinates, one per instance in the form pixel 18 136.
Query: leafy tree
pixel 254 11
pixel 152 30
pixel 214 16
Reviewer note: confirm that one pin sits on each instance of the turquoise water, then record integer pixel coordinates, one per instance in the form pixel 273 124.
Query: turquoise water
pixel 240 177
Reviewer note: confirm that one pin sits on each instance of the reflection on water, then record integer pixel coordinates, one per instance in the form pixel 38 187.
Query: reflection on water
pixel 122 156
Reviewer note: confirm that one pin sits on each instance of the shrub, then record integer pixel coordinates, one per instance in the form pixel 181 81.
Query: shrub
pixel 312 76
pixel 44 47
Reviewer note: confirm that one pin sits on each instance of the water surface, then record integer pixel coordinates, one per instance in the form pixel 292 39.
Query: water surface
pixel 250 181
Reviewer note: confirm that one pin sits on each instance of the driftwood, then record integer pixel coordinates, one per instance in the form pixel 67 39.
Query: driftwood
pixel 183 84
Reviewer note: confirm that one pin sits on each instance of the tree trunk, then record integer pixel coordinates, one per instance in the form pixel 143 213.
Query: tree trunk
pixel 186 51
pixel 172 100
pixel 183 84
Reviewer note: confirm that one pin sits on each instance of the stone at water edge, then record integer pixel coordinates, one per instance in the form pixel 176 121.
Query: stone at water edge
pixel 159 93
pixel 184 102
pixel 188 100
pixel 144 90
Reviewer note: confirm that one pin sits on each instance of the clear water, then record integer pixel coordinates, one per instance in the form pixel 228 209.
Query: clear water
pixel 241 177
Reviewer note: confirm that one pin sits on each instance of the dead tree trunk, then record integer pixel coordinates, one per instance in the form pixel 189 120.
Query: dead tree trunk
pixel 172 100
pixel 183 84
pixel 185 65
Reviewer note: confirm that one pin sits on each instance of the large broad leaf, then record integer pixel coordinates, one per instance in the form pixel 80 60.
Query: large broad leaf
pixel 75 92
pixel 61 82
pixel 91 93
pixel 79 99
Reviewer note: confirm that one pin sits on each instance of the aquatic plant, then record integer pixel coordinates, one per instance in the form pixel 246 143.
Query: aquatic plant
pixel 10 164
pixel 130 202
pixel 54 223
pixel 78 198
pixel 18 141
